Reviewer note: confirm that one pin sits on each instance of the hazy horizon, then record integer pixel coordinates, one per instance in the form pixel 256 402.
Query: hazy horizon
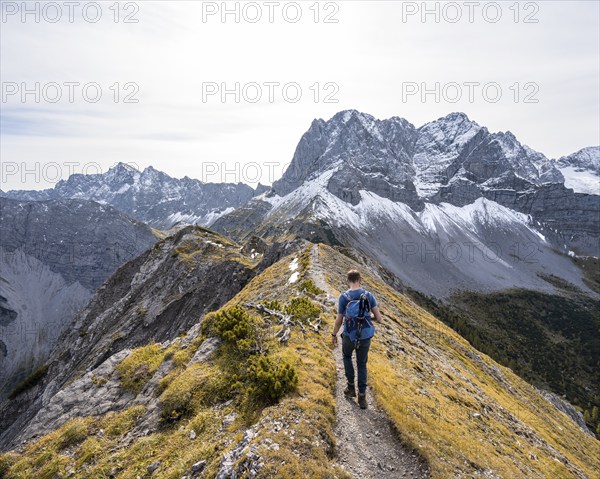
pixel 182 85
pixel 142 168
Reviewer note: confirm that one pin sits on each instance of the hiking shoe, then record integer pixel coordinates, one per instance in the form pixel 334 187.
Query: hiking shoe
pixel 350 391
pixel 362 401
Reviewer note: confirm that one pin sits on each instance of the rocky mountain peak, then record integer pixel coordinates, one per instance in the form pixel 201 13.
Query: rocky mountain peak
pixel 586 159
pixel 395 160
pixel 120 172
pixel 151 195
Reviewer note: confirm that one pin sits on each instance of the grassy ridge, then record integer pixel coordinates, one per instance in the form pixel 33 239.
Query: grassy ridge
pixel 551 341
pixel 292 430
pixel 463 412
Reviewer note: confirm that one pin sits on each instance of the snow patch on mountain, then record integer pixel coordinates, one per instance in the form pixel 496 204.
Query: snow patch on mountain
pixel 435 219
pixel 301 196
pixel 581 181
pixel 581 170
pixel 213 216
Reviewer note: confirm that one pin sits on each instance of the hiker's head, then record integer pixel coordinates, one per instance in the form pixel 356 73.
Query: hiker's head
pixel 353 278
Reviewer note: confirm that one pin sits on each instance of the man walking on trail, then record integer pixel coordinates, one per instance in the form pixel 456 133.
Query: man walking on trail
pixel 357 308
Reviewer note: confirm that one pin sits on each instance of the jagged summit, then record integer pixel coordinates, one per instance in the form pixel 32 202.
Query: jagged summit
pixel 380 185
pixel 444 160
pixel 581 170
pixel 149 195
pixel 121 166
pixel 453 117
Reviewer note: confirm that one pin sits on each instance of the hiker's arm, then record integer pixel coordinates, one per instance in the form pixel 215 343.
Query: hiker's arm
pixel 376 313
pixel 338 324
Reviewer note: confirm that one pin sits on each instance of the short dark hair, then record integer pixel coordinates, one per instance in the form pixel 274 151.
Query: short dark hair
pixel 353 276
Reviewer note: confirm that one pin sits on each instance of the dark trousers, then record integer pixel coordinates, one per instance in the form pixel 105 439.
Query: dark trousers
pixel 362 355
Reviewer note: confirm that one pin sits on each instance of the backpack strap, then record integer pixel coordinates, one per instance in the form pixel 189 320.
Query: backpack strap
pixel 348 298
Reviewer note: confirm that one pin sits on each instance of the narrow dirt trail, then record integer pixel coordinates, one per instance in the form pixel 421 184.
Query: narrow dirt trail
pixel 368 446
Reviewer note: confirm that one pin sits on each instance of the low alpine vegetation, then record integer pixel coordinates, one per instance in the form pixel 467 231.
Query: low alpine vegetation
pixel 199 386
pixel 283 390
pixel 248 357
pixel 309 286
pixel 237 328
pixel 270 378
pixel 29 381
pixel 141 364
pixel 302 309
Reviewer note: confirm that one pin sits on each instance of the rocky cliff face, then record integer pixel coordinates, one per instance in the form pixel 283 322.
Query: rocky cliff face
pixel 54 254
pixel 37 306
pixel 81 240
pixel 150 195
pixel 392 155
pixel 155 297
pixel 445 206
pixel 450 160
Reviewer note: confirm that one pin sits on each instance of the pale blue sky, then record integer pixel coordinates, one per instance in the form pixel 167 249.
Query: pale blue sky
pixel 369 54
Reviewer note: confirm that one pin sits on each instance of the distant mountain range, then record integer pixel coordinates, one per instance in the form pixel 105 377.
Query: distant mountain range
pixel 450 201
pixel 451 159
pixel 150 195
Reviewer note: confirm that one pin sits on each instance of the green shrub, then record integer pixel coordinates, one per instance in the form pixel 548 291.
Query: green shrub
pixel 270 379
pixel 235 326
pixel 302 309
pixel 141 364
pixel 273 304
pixel 309 286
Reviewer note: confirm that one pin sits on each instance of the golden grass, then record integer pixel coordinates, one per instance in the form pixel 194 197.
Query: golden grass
pixel 309 412
pixel 207 245
pixel 139 366
pixel 460 410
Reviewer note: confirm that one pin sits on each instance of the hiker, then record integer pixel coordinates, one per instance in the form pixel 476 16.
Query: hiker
pixel 357 308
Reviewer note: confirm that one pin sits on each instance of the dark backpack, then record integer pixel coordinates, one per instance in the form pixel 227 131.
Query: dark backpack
pixel 357 318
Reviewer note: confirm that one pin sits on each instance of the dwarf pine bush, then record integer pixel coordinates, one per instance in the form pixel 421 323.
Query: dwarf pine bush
pixel 310 287
pixel 270 378
pixel 302 309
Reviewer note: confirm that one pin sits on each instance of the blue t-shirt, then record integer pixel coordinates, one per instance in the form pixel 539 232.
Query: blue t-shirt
pixel 354 294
